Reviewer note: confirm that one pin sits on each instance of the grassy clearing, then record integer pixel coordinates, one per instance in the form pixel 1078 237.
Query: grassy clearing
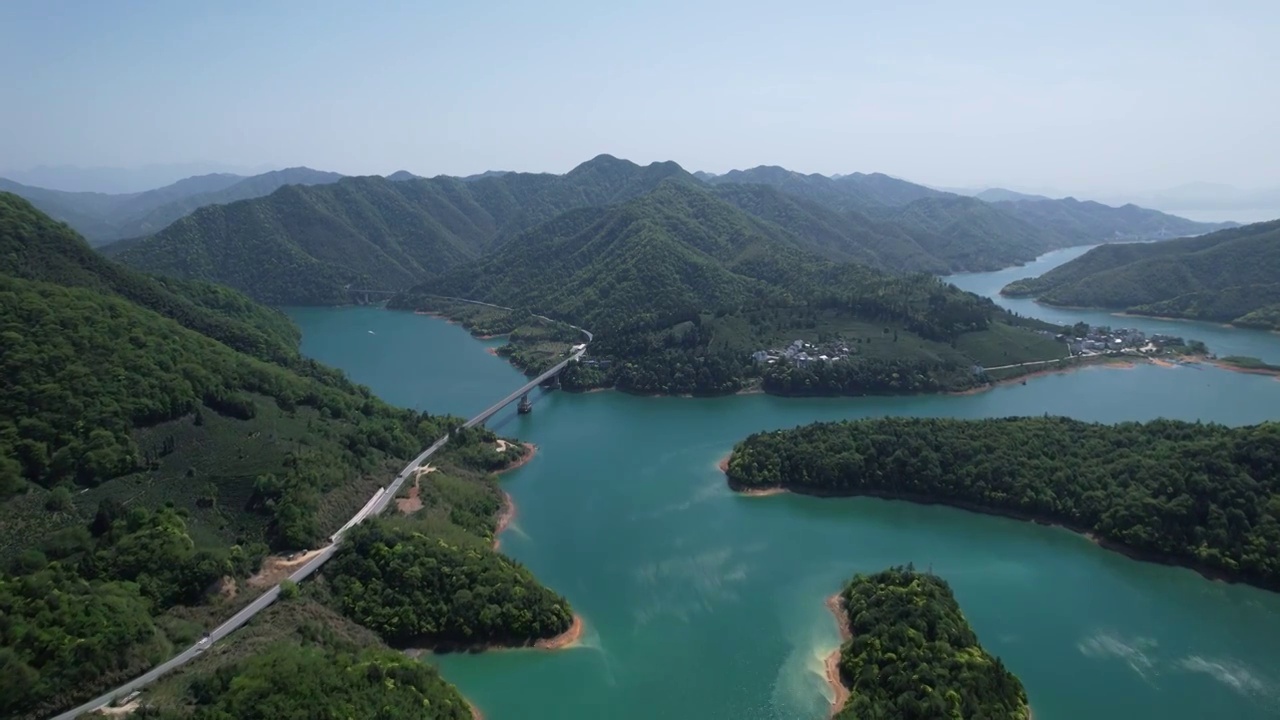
pixel 1004 345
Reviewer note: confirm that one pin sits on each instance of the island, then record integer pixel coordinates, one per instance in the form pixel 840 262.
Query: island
pixel 908 653
pixel 1200 495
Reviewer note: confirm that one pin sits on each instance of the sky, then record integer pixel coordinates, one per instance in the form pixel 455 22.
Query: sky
pixel 1069 97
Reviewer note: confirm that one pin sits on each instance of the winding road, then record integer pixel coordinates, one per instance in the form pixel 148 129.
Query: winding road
pixel 264 600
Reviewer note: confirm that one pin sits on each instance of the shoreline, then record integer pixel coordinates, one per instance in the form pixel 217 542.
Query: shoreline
pixel 1133 553
pixel 530 451
pixel 565 640
pixel 1244 370
pixel 832 662
pixel 1020 379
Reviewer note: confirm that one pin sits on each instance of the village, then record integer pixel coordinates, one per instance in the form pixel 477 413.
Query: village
pixel 1084 341
pixel 802 354
pixel 1081 340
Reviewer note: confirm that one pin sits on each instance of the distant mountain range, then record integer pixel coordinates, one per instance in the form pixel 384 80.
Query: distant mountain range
pixel 1232 276
pixel 118 180
pixel 103 218
pixel 306 244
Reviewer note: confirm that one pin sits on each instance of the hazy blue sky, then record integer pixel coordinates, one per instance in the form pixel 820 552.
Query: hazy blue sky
pixel 1070 95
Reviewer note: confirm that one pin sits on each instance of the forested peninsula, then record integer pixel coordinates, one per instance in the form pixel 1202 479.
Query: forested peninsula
pixel 910 654
pixel 1201 495
pixel 1231 276
pixel 166 454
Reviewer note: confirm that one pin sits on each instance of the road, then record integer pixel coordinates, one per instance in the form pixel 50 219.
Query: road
pixel 1025 364
pixel 311 566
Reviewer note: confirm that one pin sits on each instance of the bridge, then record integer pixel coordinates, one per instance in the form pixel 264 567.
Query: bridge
pixel 381 499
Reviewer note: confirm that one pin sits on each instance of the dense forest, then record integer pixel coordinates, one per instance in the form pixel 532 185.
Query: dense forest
pixel 415 587
pixel 913 656
pixel 298 661
pixel 157 440
pixel 1193 493
pixel 1228 276
pixel 681 288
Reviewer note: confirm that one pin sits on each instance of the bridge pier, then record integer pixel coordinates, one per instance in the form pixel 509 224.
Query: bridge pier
pixel 525 406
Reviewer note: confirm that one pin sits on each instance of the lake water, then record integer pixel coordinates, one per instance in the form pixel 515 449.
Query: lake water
pixel 703 604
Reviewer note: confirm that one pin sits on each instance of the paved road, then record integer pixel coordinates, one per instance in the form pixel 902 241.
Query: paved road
pixel 1025 364
pixel 306 570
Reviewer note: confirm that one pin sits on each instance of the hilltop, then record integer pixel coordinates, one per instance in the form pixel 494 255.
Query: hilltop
pixel 681 289
pixel 158 440
pixel 1228 276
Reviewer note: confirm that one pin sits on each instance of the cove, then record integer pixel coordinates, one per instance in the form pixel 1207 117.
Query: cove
pixel 702 603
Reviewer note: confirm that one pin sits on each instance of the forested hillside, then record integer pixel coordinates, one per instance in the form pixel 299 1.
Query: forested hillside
pixel 968 234
pixel 1086 222
pixel 306 245
pixel 33 247
pixel 913 655
pixel 300 660
pixel 1230 276
pixel 681 288
pixel 104 218
pixel 146 467
pixel 1191 493
pixel 910 227
pixel 856 191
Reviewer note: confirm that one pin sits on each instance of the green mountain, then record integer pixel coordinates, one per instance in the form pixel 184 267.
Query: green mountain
pixel 1088 222
pixel 681 287
pixel 307 245
pixel 910 227
pixel 931 229
pixel 848 236
pixel 1228 276
pixel 856 191
pixel 157 439
pixel 968 234
pixel 104 218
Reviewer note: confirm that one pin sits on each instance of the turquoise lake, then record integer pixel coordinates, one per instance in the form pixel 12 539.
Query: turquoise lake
pixel 703 604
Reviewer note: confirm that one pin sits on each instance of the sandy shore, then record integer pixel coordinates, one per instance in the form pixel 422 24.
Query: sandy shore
pixel 1245 370
pixel 530 451
pixel 492 351
pixel 566 639
pixel 504 519
pixel 836 606
pixel 475 711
